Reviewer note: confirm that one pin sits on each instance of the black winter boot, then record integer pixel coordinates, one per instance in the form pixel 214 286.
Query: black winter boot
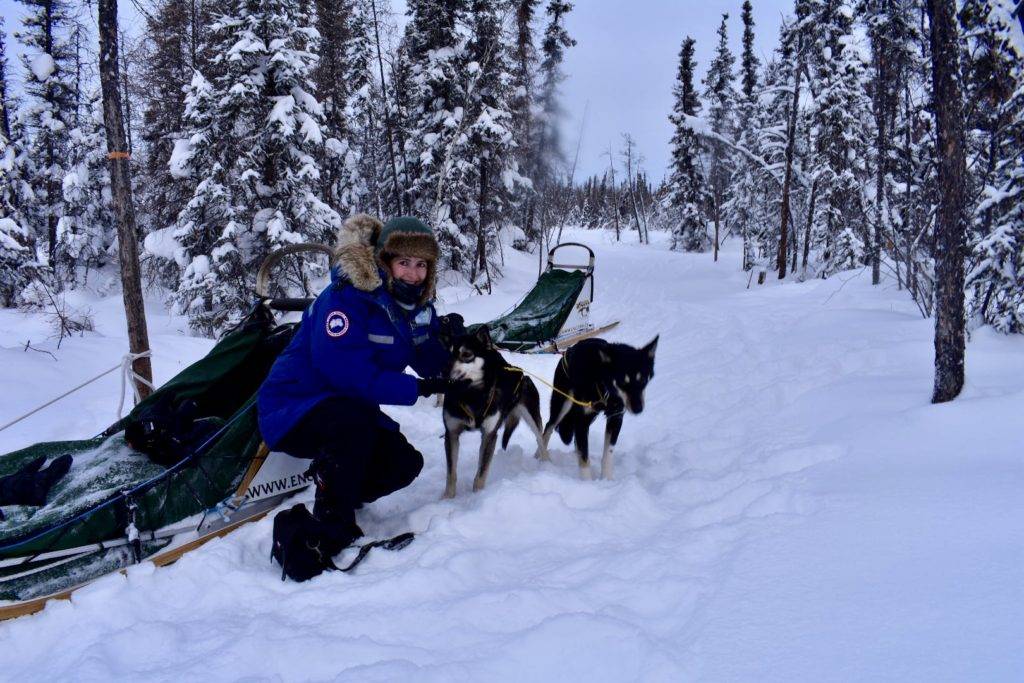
pixel 337 517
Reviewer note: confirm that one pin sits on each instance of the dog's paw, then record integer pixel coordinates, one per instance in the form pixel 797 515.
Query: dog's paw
pixel 586 474
pixel 478 485
pixel 448 494
pixel 543 456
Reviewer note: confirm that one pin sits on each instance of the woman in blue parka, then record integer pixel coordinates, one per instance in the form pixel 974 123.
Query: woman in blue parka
pixel 322 397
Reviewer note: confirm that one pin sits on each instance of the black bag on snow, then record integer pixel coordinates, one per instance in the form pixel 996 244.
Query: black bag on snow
pixel 299 546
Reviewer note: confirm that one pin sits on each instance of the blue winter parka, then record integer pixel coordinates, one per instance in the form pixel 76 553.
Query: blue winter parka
pixel 355 343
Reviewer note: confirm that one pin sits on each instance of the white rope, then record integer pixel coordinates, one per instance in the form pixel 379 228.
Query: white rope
pixel 129 376
pixel 126 370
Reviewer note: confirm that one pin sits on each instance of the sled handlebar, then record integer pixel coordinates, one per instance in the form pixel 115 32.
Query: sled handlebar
pixel 587 268
pixel 289 305
pixel 263 276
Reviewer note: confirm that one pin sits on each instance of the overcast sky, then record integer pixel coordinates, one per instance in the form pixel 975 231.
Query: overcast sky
pixel 620 72
pixel 624 65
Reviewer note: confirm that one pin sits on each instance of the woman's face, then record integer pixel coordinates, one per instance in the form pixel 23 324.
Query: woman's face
pixel 408 269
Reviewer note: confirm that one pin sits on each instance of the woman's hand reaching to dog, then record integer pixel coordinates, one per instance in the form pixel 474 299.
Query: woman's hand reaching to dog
pixel 439 385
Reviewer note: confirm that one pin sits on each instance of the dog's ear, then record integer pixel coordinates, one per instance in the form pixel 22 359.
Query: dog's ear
pixel 483 334
pixel 651 348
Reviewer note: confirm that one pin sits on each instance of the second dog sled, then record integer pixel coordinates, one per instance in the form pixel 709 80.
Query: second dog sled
pixel 555 314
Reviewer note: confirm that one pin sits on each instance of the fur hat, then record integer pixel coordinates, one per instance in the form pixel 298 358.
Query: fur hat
pixel 364 243
pixel 408 236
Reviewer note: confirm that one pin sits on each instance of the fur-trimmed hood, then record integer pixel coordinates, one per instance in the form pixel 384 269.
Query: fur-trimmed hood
pixel 356 256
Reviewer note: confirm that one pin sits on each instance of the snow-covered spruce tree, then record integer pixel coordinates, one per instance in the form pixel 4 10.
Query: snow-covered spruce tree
pixel 254 134
pixel 174 33
pixel 365 108
pixel 912 194
pixel 16 246
pixel 438 151
pixel 997 278
pixel 400 119
pixel 740 208
pixel 522 106
pixel 549 157
pixel 49 109
pixel 198 161
pixel 490 130
pixel 87 229
pixel 749 63
pixel 890 30
pixel 995 88
pixel 842 126
pixel 687 193
pixel 785 113
pixel 336 80
pixel 721 98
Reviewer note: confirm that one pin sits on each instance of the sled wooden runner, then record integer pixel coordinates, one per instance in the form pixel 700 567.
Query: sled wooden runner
pixel 160 559
pixel 562 345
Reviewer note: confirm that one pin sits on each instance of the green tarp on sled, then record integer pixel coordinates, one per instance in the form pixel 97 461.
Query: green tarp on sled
pixel 539 317
pixel 109 481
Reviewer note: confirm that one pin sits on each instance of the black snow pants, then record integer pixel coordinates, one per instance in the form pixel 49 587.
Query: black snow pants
pixel 356 460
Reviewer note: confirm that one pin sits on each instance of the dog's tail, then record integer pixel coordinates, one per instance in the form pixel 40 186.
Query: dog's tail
pixel 511 422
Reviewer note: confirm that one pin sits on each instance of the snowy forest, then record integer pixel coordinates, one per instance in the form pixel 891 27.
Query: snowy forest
pixel 256 124
pixel 756 250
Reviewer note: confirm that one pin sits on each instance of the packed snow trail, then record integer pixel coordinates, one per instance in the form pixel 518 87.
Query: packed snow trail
pixel 789 506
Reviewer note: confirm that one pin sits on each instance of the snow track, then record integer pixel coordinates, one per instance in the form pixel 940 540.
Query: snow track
pixel 789 506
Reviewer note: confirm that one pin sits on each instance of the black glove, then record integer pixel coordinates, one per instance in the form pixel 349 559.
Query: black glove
pixel 441 385
pixel 31 484
pixel 433 385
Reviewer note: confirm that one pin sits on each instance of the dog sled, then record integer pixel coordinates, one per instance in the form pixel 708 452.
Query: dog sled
pixel 185 466
pixel 555 314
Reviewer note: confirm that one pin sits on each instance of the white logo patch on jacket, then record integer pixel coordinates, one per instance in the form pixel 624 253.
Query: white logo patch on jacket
pixel 337 324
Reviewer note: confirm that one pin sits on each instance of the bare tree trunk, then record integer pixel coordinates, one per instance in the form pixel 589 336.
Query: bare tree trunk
pixel 629 185
pixel 481 223
pixel 787 183
pixel 718 223
pixel 810 222
pixel 125 96
pixel 643 212
pixel 120 181
pixel 950 238
pixel 881 150
pixel 615 194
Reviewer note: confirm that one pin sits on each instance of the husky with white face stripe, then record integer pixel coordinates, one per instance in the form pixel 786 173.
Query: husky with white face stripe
pixel 493 394
pixel 600 377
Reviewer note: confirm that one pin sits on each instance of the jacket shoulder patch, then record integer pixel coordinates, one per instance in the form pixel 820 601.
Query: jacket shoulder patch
pixel 337 324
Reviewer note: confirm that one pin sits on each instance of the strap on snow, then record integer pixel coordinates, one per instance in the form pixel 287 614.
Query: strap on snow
pixel 396 543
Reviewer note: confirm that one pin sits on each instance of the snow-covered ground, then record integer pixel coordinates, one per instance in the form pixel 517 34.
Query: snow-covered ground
pixel 788 507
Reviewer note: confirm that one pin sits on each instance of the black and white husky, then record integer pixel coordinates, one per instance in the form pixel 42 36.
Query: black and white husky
pixel 494 394
pixel 601 378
